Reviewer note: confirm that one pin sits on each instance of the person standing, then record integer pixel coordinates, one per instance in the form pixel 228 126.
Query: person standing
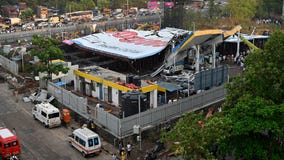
pixel 19 42
pixel 123 154
pixel 14 131
pixel 114 156
pixel 128 149
pixel 120 147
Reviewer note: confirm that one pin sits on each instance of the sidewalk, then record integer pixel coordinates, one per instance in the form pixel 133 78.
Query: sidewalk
pixel 109 148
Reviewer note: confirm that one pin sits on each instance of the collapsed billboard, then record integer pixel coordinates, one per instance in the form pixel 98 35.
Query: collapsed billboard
pixel 153 5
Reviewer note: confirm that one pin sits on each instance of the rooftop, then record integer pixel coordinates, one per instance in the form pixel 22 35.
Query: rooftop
pixel 5 133
pixel 104 73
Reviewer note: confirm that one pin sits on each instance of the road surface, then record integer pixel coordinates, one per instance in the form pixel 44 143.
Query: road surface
pixel 37 142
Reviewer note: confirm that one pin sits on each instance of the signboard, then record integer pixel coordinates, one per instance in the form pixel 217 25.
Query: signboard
pixel 153 5
pixel 169 4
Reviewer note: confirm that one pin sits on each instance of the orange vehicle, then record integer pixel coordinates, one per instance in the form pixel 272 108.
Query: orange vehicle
pixel 9 143
pixel 65 116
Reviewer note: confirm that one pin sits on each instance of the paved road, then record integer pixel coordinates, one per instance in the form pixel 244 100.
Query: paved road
pixel 7 38
pixel 38 143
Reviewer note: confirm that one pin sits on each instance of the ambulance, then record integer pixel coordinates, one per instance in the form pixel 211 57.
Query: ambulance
pixel 47 114
pixel 9 144
pixel 86 141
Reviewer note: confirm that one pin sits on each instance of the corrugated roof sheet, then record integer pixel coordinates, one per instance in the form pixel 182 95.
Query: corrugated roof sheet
pixel 169 86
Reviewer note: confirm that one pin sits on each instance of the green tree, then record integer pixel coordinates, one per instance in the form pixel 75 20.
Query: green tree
pixel 214 10
pixel 255 105
pixel 3 3
pixel 27 14
pixel 45 48
pixel 104 4
pixel 243 10
pixel 194 136
pixel 88 4
pixel 82 5
pixel 270 8
pixel 256 129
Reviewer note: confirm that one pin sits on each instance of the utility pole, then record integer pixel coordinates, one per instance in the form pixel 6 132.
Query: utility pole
pixel 139 108
pixel 49 30
pixel 127 6
pixel 238 47
pixel 283 10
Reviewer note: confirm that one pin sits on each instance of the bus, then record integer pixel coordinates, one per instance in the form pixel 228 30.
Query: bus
pixel 80 15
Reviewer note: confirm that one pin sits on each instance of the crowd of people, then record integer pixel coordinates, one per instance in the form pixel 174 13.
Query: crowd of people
pixel 268 21
pixel 123 153
pixel 240 59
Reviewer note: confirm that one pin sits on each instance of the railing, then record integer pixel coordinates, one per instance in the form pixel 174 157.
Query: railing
pixel 121 128
pixel 76 103
pixel 154 117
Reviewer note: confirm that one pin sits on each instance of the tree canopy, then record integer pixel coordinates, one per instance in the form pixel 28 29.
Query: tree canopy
pixel 82 5
pixel 27 13
pixel 269 8
pixel 256 129
pixel 46 49
pixel 213 10
pixel 255 104
pixel 196 137
pixel 243 10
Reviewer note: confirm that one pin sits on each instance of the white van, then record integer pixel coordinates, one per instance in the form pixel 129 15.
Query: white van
pixel 47 114
pixel 86 141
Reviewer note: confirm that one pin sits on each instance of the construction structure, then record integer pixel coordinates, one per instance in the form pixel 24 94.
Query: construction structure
pixel 42 12
pixel 145 77
pixel 238 43
pixel 134 55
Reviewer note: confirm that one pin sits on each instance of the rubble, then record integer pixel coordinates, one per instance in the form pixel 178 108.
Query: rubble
pixel 39 97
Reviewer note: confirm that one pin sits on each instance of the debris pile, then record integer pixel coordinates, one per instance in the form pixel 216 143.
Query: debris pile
pixel 13 82
pixel 27 86
pixel 39 97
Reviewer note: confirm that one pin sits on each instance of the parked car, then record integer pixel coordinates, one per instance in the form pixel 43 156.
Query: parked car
pixel 57 24
pixel 28 26
pixel 97 18
pixel 42 24
pixel 119 16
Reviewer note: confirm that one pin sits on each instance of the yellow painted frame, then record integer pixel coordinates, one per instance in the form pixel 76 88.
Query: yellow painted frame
pixel 232 31
pixel 200 33
pixel 57 61
pixel 117 86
